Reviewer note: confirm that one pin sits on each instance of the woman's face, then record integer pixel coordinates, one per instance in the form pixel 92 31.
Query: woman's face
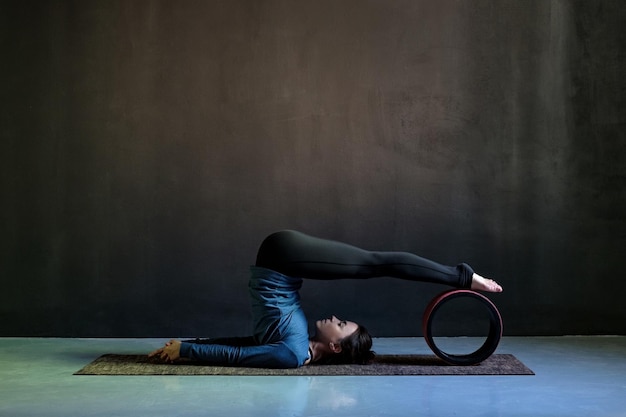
pixel 333 330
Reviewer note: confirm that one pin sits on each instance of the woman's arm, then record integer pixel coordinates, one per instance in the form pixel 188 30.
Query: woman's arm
pixel 274 355
pixel 239 353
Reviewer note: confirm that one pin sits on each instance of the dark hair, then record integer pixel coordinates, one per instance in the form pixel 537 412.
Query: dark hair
pixel 355 348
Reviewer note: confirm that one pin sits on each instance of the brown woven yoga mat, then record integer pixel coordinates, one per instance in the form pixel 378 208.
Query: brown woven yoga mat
pixel 500 364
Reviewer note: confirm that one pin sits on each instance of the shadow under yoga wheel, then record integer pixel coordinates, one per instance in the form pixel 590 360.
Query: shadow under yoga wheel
pixel 466 304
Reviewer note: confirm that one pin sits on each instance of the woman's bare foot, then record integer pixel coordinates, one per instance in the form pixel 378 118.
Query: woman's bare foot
pixel 483 284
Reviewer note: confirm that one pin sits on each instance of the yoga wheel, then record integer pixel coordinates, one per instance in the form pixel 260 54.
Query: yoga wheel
pixel 491 342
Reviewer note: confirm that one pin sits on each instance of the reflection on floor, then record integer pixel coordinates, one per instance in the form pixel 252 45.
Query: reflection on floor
pixel 575 376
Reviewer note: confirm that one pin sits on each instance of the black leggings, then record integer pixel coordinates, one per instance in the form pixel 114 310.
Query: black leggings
pixel 298 255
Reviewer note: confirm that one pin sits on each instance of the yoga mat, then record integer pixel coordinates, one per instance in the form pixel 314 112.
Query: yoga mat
pixel 499 364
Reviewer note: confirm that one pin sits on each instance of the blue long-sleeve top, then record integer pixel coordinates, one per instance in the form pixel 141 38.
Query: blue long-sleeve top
pixel 280 338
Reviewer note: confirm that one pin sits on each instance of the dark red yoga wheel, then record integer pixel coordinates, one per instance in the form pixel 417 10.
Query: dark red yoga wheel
pixel 491 342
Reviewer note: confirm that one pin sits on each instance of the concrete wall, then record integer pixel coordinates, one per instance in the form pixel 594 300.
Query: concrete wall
pixel 148 147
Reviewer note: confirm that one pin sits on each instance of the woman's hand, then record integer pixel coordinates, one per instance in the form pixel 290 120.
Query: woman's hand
pixel 168 353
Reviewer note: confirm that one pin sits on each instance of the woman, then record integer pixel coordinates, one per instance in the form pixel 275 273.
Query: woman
pixel 280 338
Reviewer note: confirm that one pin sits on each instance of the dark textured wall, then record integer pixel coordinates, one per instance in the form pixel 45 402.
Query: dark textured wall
pixel 148 147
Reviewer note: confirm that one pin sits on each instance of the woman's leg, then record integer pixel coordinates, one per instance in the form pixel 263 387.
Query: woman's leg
pixel 299 255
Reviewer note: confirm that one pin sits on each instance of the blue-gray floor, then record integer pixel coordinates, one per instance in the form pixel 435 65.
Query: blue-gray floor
pixel 575 376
